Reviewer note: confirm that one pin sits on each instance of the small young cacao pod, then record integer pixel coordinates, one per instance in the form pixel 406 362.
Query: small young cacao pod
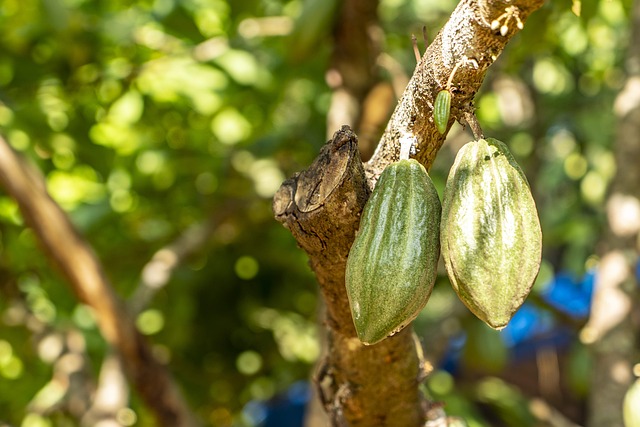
pixel 490 231
pixel 393 261
pixel 441 109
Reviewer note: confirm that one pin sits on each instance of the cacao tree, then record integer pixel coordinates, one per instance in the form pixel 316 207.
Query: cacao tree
pixel 143 280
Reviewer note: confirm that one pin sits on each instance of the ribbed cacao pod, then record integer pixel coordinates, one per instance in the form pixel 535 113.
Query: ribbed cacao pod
pixel 490 231
pixel 392 263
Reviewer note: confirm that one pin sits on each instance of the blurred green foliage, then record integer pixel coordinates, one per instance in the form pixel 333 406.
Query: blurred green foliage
pixel 148 117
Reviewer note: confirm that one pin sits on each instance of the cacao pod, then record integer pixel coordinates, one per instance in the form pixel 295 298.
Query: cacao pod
pixel 392 263
pixel 441 110
pixel 490 231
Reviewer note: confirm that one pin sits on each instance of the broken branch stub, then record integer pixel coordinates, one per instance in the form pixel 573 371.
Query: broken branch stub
pixel 321 206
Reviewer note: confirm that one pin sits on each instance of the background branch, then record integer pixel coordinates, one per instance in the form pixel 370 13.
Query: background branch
pixel 360 99
pixel 77 261
pixel 158 271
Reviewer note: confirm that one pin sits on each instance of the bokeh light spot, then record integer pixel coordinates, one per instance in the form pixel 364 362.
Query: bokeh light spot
pixel 206 183
pixel 441 382
pixel 150 321
pixel 12 369
pixel 84 317
pixel 575 166
pixel 126 416
pixel 249 362
pixel 35 420
pixel 593 188
pixel 521 144
pixel 246 267
pixel 230 127
pixel 6 351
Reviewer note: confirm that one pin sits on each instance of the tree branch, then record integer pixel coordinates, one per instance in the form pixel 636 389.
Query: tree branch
pixel 77 261
pixel 466 40
pixel 321 207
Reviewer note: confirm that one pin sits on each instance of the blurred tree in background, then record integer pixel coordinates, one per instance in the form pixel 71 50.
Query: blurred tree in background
pixel 164 128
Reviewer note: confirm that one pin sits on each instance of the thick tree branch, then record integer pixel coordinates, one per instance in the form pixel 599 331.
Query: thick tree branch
pixel 468 41
pixel 321 207
pixel 77 261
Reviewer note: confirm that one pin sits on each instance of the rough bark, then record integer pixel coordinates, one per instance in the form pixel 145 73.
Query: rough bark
pixel 77 261
pixel 351 76
pixel 321 206
pixel 467 41
pixel 612 329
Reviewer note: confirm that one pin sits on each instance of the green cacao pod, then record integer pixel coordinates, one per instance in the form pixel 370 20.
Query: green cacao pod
pixel 490 231
pixel 392 263
pixel 441 110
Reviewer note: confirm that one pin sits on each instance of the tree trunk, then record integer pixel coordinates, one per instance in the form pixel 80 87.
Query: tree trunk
pixel 321 206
